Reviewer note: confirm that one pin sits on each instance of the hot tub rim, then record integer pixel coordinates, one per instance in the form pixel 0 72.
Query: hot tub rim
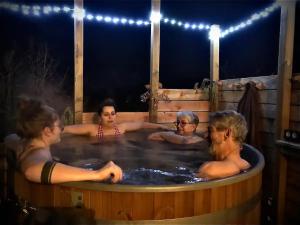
pixel 96 186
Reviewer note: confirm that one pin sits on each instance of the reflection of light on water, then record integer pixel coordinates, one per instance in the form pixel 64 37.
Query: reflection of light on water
pixel 147 176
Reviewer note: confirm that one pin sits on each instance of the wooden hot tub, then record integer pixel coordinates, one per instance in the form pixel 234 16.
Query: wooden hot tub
pixel 232 200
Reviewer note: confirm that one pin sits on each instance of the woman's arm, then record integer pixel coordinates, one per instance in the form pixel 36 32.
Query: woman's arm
pixel 174 138
pixel 80 129
pixel 131 126
pixel 167 136
pixel 33 166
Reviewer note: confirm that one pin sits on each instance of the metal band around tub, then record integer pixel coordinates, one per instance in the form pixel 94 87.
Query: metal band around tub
pixel 218 217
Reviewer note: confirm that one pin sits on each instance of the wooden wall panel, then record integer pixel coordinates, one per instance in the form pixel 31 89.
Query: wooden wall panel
pixel 183 106
pixel 184 94
pixel 169 117
pixel 269 83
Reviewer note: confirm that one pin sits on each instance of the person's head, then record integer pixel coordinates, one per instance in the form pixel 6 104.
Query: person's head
pixel 107 112
pixel 186 122
pixel 37 120
pixel 224 126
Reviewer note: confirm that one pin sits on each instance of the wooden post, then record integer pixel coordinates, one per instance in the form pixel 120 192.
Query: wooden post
pixel 214 67
pixel 154 63
pixel 78 63
pixel 285 65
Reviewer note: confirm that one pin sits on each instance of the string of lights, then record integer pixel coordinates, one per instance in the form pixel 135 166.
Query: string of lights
pixel 82 14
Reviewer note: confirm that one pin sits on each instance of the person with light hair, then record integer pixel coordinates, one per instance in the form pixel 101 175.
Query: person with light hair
pixel 186 125
pixel 227 131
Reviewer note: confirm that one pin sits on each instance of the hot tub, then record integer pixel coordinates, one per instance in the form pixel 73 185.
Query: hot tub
pixel 159 185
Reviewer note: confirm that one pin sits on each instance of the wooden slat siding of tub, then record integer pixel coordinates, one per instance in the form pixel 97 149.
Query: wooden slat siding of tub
pixel 152 205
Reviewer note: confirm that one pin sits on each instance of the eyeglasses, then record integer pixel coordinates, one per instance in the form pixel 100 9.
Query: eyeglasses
pixel 181 123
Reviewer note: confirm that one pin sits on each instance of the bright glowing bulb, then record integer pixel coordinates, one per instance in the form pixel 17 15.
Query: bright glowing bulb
pixel 107 19
pixel 194 26
pixel 90 17
pixel 173 22
pixel 115 20
pixel 155 17
pixel 66 9
pixel 79 13
pixel 139 22
pixel 186 25
pixel 255 16
pixel 214 33
pixel 99 18
pixel 200 26
pixel 131 21
pixel 47 9
pixel 248 22
pixel 123 20
pixel 56 9
pixel 179 24
pixel 166 20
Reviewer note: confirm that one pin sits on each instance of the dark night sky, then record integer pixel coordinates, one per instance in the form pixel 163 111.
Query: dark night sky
pixel 117 58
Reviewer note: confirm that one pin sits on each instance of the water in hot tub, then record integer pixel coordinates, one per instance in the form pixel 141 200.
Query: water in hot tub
pixel 144 162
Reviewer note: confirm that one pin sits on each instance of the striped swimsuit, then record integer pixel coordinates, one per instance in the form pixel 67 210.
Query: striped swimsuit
pixel 100 133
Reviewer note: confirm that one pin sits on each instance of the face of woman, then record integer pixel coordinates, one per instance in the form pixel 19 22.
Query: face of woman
pixel 184 126
pixel 108 116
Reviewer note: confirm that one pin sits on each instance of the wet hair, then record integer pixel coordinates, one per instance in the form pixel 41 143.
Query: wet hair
pixel 223 120
pixel 191 116
pixel 106 102
pixel 33 116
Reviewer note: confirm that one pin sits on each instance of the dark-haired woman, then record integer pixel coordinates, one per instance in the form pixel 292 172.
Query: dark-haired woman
pixel 107 124
pixel 38 128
